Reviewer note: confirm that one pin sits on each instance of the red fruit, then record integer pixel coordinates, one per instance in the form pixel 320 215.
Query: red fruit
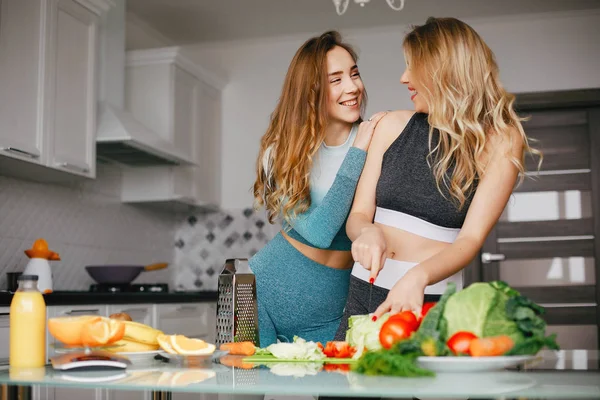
pixel 335 349
pixel 407 316
pixel 393 331
pixel 426 307
pixel 460 342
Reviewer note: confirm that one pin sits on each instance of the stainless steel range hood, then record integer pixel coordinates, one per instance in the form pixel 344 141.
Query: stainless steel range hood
pixel 121 138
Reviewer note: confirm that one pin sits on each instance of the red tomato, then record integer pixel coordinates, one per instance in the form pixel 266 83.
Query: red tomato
pixel 340 368
pixel 339 350
pixel 393 331
pixel 407 316
pixel 426 307
pixel 460 342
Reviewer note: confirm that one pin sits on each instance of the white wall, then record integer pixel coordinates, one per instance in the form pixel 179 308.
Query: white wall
pixel 535 53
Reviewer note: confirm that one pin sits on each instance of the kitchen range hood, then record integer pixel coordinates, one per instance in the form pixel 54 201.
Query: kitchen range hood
pixel 121 136
pixel 123 139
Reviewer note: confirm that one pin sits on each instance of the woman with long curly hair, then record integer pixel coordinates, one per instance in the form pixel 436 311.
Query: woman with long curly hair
pixel 308 167
pixel 436 180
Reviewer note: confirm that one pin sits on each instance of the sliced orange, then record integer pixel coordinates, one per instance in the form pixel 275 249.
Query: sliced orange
pixel 165 379
pixel 68 330
pixel 164 342
pixel 190 346
pixel 191 376
pixel 102 332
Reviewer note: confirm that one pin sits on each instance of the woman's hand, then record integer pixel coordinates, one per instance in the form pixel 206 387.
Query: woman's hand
pixel 365 131
pixel 406 295
pixel 370 250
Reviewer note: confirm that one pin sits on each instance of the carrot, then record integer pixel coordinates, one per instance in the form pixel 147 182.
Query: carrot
pixel 225 346
pixel 491 346
pixel 239 348
pixel 235 361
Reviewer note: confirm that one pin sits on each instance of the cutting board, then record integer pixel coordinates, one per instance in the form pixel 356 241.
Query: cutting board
pixel 260 359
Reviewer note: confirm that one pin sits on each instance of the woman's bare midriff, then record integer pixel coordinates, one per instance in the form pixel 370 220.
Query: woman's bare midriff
pixel 406 246
pixel 337 259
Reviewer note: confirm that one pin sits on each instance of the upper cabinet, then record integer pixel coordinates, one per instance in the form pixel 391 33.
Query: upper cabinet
pixel 21 79
pixel 181 101
pixel 48 76
pixel 72 63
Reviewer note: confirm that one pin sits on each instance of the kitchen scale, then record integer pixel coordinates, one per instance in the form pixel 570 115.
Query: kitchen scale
pixel 89 359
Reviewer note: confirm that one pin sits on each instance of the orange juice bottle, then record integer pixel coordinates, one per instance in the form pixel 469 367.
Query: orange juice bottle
pixel 27 325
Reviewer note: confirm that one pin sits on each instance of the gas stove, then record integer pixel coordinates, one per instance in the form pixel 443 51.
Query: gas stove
pixel 130 288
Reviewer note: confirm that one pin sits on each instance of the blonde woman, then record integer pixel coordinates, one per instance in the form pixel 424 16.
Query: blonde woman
pixel 436 180
pixel 308 166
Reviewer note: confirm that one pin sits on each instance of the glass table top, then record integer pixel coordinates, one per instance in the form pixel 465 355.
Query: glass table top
pixel 563 374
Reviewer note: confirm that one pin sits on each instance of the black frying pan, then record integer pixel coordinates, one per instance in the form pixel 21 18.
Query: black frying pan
pixel 120 274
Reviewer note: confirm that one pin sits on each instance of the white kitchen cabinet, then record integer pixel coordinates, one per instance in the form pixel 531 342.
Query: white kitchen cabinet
pixel 189 319
pixel 206 177
pixel 21 79
pixel 71 61
pixel 142 313
pixel 48 75
pixel 4 335
pixel 182 102
pixel 161 92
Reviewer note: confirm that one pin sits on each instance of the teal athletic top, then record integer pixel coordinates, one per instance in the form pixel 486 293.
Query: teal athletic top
pixel 333 180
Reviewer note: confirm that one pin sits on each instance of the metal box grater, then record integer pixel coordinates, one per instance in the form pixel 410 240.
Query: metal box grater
pixel 237 309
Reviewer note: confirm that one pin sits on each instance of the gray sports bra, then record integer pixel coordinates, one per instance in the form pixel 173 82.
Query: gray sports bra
pixel 407 185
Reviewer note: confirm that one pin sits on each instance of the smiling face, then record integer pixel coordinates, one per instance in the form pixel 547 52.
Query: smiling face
pixel 416 90
pixel 345 87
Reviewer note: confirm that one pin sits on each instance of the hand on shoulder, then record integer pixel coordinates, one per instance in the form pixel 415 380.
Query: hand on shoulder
pixel 390 127
pixel 365 131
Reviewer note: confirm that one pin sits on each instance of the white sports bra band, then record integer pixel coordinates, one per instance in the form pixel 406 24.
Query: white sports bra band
pixel 412 224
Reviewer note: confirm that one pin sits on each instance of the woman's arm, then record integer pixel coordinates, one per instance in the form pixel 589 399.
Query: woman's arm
pixel 319 224
pixel 490 199
pixel 369 247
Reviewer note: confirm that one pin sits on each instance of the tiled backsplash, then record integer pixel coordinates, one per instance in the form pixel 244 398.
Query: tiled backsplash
pixel 86 224
pixel 203 242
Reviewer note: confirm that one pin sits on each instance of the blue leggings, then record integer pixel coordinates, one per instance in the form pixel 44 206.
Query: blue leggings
pixel 296 295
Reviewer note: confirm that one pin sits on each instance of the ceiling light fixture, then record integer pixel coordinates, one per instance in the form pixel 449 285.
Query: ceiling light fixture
pixel 342 5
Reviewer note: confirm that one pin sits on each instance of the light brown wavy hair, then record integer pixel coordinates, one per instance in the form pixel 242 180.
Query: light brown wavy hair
pixel 466 102
pixel 296 130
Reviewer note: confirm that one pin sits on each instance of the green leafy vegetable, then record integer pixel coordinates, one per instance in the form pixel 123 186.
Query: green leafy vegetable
pixel 429 325
pixel 504 288
pixel 363 332
pixel 498 322
pixel 262 352
pixel 385 362
pixel 533 344
pixel 468 309
pixel 493 309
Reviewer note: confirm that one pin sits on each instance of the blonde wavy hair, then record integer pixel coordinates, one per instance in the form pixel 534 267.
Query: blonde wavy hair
pixel 466 102
pixel 296 130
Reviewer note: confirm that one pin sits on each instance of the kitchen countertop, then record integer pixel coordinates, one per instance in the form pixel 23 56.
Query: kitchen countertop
pixel 66 298
pixel 564 374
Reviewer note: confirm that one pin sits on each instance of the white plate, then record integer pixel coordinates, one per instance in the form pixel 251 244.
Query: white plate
pixel 139 353
pixel 471 364
pixel 137 357
pixel 187 359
